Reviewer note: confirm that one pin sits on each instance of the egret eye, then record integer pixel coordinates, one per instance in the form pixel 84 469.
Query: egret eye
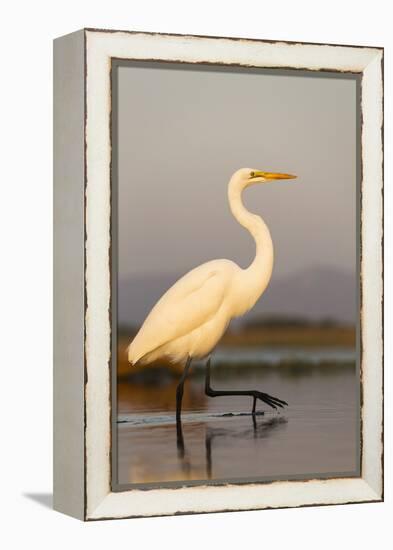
pixel 252 174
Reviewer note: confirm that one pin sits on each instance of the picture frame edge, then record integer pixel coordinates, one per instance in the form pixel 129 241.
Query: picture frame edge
pixel 89 503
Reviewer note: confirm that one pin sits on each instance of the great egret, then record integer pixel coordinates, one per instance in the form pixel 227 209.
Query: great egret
pixel 191 317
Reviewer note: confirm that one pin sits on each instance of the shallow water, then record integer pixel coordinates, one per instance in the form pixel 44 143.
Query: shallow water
pixel 317 435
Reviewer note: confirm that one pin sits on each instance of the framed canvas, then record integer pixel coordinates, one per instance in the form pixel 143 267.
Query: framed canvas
pixel 189 384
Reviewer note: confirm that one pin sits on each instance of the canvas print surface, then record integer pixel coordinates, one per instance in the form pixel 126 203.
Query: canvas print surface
pixel 235 288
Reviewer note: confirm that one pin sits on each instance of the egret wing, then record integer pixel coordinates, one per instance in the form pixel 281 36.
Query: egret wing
pixel 188 304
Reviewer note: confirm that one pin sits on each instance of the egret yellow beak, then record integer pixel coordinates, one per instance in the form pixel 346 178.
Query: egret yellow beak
pixel 271 175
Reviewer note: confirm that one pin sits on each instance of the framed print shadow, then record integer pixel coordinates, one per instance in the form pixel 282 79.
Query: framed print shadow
pixel 218 340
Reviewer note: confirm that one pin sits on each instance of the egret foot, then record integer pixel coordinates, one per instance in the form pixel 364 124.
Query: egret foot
pixel 273 402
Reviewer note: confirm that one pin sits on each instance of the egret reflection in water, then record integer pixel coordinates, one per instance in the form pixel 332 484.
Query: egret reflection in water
pixel 317 435
pixel 259 428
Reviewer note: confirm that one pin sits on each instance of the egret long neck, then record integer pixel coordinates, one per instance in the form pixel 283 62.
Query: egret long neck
pixel 256 277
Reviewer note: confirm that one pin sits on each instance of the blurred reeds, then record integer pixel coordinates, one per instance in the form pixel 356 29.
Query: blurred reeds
pixel 273 332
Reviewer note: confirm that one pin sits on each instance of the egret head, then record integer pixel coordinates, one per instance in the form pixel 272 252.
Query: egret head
pixel 251 176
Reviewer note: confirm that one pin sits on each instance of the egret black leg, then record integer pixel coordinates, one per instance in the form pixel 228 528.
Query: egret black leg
pixel 254 405
pixel 273 402
pixel 179 398
pixel 180 388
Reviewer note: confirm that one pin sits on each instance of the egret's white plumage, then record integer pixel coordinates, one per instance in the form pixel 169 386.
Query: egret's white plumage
pixel 191 317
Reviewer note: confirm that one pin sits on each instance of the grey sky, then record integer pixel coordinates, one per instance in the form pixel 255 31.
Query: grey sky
pixel 182 133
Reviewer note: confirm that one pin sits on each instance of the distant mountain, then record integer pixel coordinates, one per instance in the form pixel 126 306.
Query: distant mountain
pixel 314 294
pixel 317 294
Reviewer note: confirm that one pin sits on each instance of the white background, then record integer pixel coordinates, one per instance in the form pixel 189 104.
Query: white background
pixel 26 273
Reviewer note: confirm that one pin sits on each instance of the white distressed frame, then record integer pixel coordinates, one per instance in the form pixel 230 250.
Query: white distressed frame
pixel 100 48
